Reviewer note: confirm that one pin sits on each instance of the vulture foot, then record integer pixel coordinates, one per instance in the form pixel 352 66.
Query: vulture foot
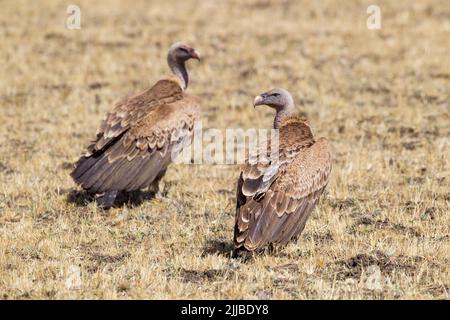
pixel 106 200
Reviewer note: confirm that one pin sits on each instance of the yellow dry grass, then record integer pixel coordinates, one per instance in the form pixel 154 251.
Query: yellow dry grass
pixel 382 98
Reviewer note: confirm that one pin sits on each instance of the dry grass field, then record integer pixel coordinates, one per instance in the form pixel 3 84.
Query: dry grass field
pixel 381 231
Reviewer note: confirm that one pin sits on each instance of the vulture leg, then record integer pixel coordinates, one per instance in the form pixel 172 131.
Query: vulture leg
pixel 156 188
pixel 106 200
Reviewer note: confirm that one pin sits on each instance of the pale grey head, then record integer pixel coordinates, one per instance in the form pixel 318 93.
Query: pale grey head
pixel 182 52
pixel 277 98
pixel 177 56
pixel 280 99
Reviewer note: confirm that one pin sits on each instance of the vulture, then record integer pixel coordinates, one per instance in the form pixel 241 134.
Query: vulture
pixel 137 139
pixel 277 192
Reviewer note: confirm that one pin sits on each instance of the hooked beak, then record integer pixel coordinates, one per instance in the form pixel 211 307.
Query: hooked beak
pixel 258 101
pixel 195 55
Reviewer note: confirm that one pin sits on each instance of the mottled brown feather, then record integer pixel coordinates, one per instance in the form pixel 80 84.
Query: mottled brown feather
pixel 135 141
pixel 275 199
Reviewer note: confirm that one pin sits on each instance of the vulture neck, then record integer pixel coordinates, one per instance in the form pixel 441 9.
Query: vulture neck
pixel 282 113
pixel 179 69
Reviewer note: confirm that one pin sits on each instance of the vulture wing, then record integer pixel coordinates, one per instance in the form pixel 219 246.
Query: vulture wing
pixel 274 201
pixel 130 111
pixel 136 141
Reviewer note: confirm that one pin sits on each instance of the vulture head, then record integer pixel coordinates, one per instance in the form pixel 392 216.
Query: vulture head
pixel 279 99
pixel 177 56
pixel 181 52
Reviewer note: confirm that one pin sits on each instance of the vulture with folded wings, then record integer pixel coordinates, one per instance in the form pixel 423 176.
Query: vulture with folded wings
pixel 277 191
pixel 136 140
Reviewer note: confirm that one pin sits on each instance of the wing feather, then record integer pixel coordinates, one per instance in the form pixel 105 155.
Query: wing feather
pixel 135 141
pixel 276 210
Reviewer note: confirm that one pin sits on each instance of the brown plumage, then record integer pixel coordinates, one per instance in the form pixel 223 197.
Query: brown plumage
pixel 135 141
pixel 275 198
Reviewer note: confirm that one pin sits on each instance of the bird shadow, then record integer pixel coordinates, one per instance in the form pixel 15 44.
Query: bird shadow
pixel 227 249
pixel 79 198
pixel 217 247
pixel 133 198
pixel 82 198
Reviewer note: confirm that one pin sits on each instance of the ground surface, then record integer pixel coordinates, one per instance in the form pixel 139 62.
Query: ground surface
pixel 381 97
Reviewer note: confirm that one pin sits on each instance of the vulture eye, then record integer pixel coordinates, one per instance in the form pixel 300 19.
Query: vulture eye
pixel 275 94
pixel 184 50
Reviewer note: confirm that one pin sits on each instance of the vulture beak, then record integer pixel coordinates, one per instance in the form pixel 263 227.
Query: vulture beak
pixel 258 101
pixel 195 55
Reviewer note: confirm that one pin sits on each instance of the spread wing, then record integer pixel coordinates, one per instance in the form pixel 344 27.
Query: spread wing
pixel 136 141
pixel 275 210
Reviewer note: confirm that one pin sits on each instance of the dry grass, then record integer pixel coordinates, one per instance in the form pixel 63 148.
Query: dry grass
pixel 382 97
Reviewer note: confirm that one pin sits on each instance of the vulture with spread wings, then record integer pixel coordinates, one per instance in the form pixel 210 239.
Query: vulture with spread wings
pixel 136 140
pixel 277 192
